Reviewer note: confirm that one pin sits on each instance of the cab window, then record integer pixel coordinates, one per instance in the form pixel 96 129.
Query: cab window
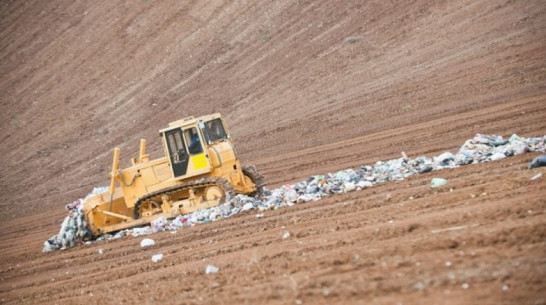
pixel 216 130
pixel 178 152
pixel 192 138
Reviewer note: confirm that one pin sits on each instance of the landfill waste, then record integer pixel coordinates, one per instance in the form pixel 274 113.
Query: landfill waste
pixel 157 257
pixel 159 224
pixel 74 227
pixel 136 232
pixel 349 187
pixel 481 148
pixel 538 162
pixel 437 182
pixel 497 156
pixel 211 269
pixel 535 177
pixel 146 242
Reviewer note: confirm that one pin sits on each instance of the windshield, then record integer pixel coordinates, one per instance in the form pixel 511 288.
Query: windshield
pixel 216 130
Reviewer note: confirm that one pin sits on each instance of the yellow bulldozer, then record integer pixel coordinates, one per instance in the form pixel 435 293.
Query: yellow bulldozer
pixel 200 169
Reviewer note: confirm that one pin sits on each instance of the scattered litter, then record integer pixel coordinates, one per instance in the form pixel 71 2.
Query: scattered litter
pixel 356 258
pixel 448 264
pixel 286 235
pixel 211 269
pixel 538 162
pixel 247 206
pixel 437 182
pixel 465 285
pixel 481 148
pixel 159 224
pixel 352 39
pixel 363 184
pixel 325 291
pixel 456 228
pixel 444 158
pixel 141 231
pixel 505 287
pixel 157 257
pixel 100 251
pixel 419 286
pixel 146 242
pixel 260 215
pixel 535 177
pixel 497 156
pixel 349 187
pixel 425 168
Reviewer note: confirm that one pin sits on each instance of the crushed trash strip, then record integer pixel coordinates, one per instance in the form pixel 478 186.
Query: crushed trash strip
pixel 481 148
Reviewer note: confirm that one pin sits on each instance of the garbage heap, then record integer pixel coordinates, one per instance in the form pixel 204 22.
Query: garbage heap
pixel 481 148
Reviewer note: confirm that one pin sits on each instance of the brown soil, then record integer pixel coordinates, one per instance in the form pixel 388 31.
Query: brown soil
pixel 307 88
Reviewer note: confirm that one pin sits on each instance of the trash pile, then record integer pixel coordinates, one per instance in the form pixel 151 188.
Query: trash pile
pixel 481 148
pixel 74 226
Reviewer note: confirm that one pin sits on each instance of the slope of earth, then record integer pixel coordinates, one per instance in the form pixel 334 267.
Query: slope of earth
pixel 307 87
pixel 479 240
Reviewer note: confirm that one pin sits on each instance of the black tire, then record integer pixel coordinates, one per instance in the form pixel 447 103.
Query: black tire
pixel 252 172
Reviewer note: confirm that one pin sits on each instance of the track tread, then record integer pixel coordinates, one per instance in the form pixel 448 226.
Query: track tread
pixel 252 172
pixel 203 182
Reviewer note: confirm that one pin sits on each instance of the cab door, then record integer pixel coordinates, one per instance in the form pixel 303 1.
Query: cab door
pixel 178 153
pixel 199 160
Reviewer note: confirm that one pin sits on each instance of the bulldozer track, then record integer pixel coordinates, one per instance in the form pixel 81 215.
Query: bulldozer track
pixel 201 183
pixel 252 172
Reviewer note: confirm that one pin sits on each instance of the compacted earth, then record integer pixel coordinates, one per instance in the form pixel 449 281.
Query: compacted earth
pixel 306 87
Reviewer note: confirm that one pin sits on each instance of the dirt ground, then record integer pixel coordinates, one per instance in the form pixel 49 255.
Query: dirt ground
pixel 306 87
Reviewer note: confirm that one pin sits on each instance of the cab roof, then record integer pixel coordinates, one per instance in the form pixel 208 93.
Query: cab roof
pixel 190 120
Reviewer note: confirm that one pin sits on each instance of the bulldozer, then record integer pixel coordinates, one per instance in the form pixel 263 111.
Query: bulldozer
pixel 200 169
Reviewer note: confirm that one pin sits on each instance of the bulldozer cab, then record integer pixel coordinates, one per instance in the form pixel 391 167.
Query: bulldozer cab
pixel 186 144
